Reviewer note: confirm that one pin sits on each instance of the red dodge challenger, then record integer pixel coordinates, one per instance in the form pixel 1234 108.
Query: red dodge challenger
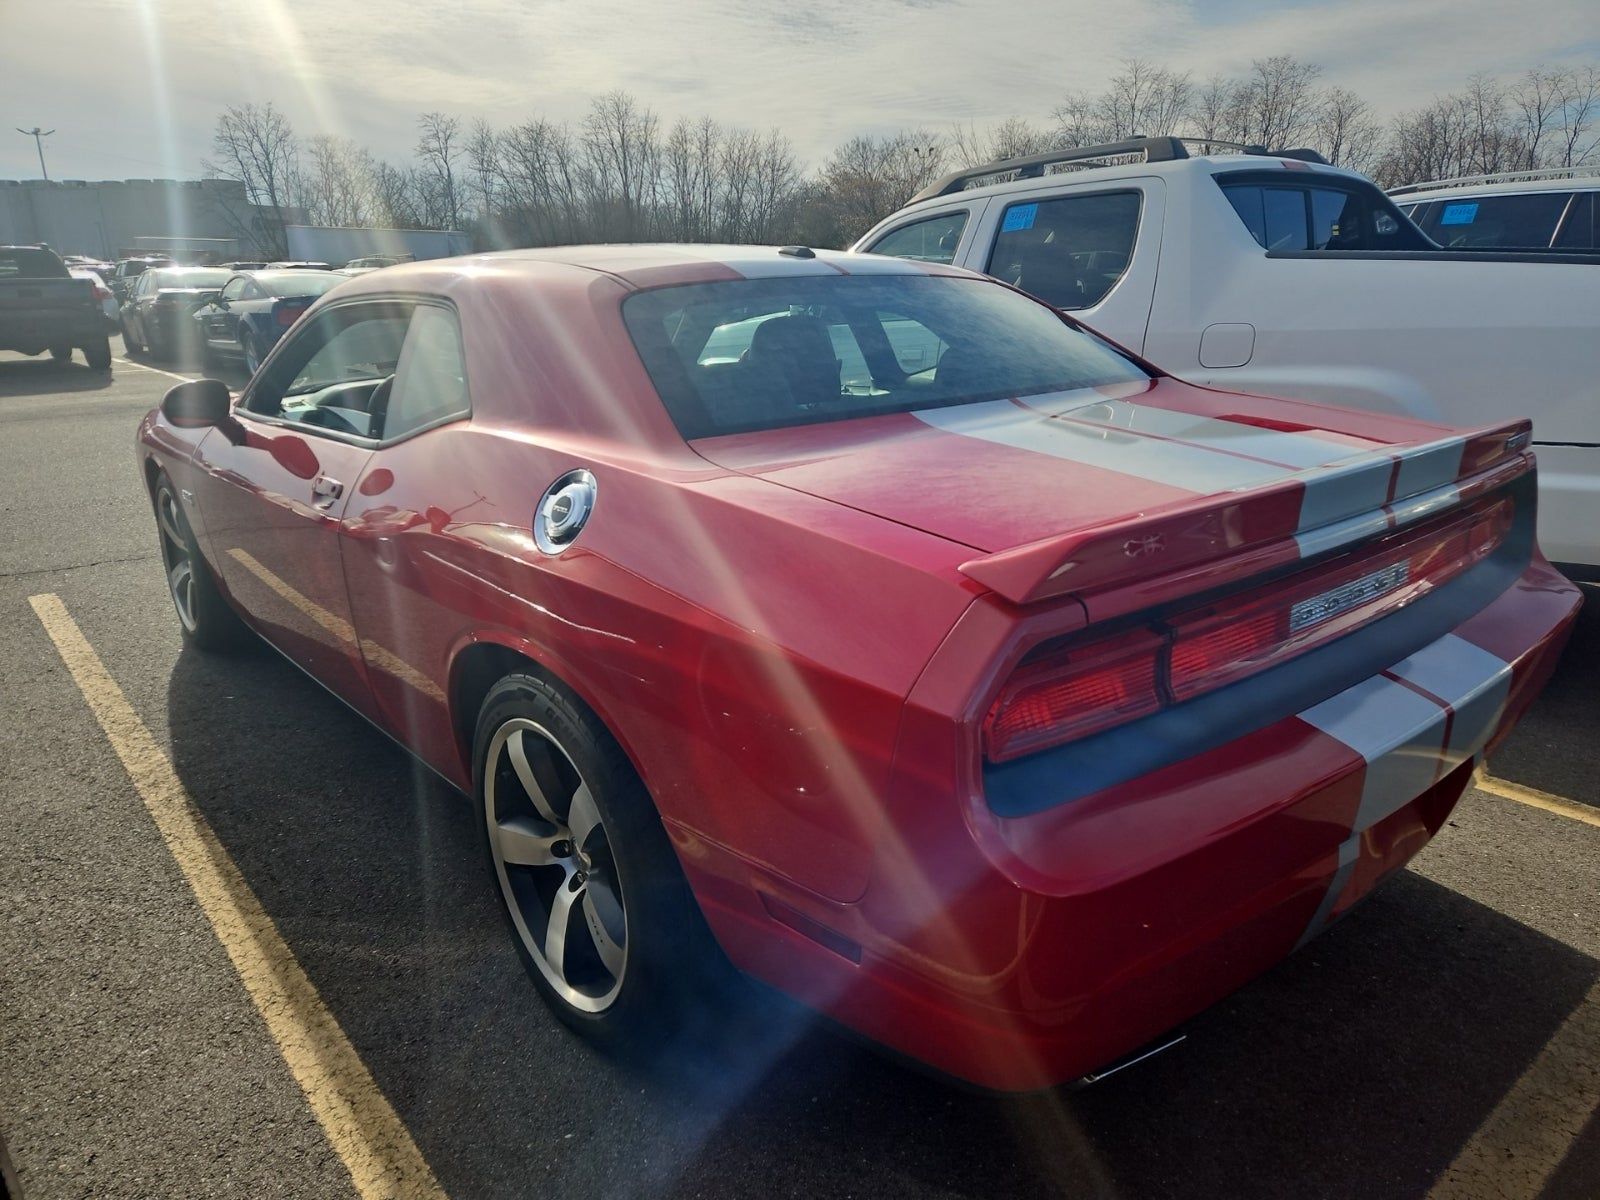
pixel 868 624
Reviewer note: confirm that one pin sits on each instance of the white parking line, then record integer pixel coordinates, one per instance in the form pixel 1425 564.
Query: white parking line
pixel 364 1130
pixel 157 370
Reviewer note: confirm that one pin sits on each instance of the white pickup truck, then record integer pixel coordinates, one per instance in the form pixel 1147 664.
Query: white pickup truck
pixel 1280 274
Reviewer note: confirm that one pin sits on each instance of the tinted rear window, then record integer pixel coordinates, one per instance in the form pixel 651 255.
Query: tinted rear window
pixel 166 278
pixel 1285 213
pixel 768 353
pixel 24 262
pixel 1526 220
pixel 298 283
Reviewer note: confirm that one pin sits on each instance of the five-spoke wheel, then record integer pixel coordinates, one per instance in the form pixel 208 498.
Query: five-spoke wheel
pixel 558 874
pixel 175 553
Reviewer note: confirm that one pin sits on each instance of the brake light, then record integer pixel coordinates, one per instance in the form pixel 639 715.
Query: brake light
pixel 1057 693
pixel 1068 695
pixel 287 314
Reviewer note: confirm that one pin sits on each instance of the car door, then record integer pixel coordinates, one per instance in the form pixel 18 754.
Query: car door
pixel 401 549
pixel 219 319
pixel 277 482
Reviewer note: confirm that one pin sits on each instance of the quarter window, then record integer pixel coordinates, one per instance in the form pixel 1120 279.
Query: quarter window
pixel 235 288
pixel 430 380
pixel 931 240
pixel 1578 230
pixel 1068 251
pixel 335 373
pixel 1289 216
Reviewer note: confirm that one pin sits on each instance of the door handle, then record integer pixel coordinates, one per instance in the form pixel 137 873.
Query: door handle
pixel 326 490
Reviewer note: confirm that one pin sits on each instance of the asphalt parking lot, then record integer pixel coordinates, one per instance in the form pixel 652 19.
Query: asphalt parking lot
pixel 1443 1040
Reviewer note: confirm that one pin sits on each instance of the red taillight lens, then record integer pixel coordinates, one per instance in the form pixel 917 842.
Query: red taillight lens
pixel 1056 694
pixel 1069 694
pixel 1225 642
pixel 287 314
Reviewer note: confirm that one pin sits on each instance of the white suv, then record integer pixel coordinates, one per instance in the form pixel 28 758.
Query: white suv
pixel 1282 275
pixel 1528 210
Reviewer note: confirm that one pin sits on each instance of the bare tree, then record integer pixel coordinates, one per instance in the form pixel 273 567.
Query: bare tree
pixel 256 146
pixel 870 177
pixel 439 153
pixel 1345 131
pixel 620 136
pixel 1276 104
pixel 337 181
pixel 1580 116
pixel 1011 138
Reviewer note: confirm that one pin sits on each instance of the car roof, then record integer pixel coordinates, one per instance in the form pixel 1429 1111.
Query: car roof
pixel 641 265
pixel 1206 164
pixel 1558 180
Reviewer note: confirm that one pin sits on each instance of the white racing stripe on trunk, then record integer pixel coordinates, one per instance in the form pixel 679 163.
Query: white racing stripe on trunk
pixel 1293 450
pixel 1429 467
pixel 1401 734
pixel 1193 468
pixel 1371 524
pixel 1348 490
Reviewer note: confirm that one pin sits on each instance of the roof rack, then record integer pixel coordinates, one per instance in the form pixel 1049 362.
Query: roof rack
pixel 1152 149
pixel 1434 185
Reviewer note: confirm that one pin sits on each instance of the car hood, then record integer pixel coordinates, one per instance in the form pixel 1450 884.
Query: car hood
pixel 1046 473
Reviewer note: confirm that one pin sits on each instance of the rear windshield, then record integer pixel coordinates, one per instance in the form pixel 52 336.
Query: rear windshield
pixel 197 278
pixel 298 283
pixel 768 353
pixel 1524 220
pixel 24 262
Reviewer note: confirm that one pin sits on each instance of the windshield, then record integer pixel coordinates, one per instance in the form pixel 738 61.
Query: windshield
pixel 763 354
pixel 24 262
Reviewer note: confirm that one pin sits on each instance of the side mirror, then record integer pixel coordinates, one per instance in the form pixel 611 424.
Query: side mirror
pixel 197 404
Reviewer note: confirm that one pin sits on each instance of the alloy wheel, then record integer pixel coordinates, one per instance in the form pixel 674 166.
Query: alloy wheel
pixel 175 556
pixel 555 865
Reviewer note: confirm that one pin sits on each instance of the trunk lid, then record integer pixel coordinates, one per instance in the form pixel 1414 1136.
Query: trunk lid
pixel 1118 490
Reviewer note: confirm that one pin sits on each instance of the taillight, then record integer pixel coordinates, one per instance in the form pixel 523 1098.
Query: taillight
pixel 1060 693
pixel 1073 693
pixel 101 293
pixel 287 314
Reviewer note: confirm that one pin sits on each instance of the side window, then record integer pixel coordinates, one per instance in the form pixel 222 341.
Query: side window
pixel 1578 231
pixel 1070 251
pixel 933 239
pixel 335 372
pixel 252 290
pixel 234 288
pixel 1526 220
pixel 430 380
pixel 1304 216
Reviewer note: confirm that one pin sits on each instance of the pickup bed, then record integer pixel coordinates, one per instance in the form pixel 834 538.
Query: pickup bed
pixel 42 307
pixel 1260 273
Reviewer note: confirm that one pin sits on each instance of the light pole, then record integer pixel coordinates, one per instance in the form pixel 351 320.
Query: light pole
pixel 38 135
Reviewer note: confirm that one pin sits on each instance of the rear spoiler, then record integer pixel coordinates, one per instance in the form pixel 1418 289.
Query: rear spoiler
pixel 1231 535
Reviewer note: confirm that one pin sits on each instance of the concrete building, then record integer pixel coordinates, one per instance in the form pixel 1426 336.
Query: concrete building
pixel 99 219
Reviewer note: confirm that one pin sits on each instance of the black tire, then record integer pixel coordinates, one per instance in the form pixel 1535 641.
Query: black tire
pixel 98 354
pixel 61 354
pixel 673 974
pixel 206 620
pixel 251 355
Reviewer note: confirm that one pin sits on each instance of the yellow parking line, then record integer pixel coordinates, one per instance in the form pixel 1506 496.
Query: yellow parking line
pixel 1518 1148
pixel 1534 798
pixel 364 1130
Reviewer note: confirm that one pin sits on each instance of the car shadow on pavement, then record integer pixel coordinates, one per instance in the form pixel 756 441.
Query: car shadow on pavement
pixel 1359 1067
pixel 43 376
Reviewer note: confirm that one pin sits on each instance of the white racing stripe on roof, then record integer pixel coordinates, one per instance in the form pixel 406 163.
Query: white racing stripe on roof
pixel 1194 468
pixel 1291 449
pixel 877 264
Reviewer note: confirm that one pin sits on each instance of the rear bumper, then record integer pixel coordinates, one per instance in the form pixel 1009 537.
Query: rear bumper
pixel 1019 953
pixel 1569 498
pixel 32 332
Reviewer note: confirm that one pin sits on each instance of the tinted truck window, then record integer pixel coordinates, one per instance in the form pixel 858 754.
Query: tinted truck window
pixel 1069 251
pixel 1287 215
pixel 1524 220
pixel 26 262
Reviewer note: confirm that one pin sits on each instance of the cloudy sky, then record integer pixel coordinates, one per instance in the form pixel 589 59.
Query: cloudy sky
pixel 133 87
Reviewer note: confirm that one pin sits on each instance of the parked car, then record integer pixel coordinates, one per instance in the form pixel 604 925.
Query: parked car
pixel 299 266
pixel 375 262
pixel 42 307
pixel 159 315
pixel 252 311
pixel 109 308
pixel 244 266
pixel 82 262
pixel 127 271
pixel 1280 275
pixel 1010 708
pixel 1540 210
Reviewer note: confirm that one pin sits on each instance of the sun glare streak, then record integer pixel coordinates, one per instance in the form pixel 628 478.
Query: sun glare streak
pixel 173 167
pixel 284 36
